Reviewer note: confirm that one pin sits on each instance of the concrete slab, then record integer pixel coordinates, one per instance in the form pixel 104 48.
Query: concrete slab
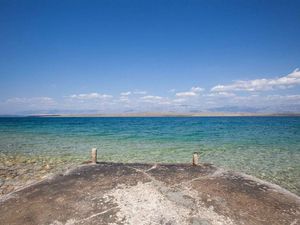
pixel 114 193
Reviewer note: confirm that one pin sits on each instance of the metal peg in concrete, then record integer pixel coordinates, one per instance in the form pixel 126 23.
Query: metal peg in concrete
pixel 195 159
pixel 94 155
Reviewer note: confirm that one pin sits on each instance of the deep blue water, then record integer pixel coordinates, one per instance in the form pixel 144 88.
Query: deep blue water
pixel 267 147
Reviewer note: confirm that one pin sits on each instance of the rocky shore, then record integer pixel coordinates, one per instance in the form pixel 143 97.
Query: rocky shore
pixel 115 193
pixel 17 171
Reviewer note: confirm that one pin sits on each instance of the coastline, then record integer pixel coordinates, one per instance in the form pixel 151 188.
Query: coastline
pixel 24 171
pixel 171 114
pixel 20 171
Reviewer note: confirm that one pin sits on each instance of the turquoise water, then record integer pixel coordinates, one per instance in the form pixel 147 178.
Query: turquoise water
pixel 267 147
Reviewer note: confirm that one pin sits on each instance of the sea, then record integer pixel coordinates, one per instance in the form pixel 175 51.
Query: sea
pixel 265 147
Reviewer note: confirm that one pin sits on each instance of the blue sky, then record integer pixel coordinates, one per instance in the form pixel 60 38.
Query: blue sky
pixel 137 56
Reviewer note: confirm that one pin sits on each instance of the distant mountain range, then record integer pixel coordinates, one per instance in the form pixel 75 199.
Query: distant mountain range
pixel 217 111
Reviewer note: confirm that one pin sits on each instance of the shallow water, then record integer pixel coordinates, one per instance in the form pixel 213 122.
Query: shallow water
pixel 266 147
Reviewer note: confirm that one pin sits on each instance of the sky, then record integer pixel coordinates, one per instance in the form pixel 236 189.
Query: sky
pixel 122 56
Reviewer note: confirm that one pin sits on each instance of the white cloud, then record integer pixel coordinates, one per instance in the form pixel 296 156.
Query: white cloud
pixel 293 98
pixel 194 91
pixel 188 100
pixel 186 94
pixel 221 94
pixel 151 97
pixel 287 81
pixel 197 89
pixel 126 93
pixel 179 100
pixel 124 99
pixel 155 100
pixel 90 96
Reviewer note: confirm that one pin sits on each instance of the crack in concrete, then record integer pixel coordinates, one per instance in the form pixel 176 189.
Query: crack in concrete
pixel 152 168
pixel 94 215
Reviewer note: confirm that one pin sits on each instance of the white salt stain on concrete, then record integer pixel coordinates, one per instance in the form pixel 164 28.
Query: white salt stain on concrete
pixel 155 204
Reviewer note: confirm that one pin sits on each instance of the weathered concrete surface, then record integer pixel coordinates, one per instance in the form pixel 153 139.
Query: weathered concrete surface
pixel 109 193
